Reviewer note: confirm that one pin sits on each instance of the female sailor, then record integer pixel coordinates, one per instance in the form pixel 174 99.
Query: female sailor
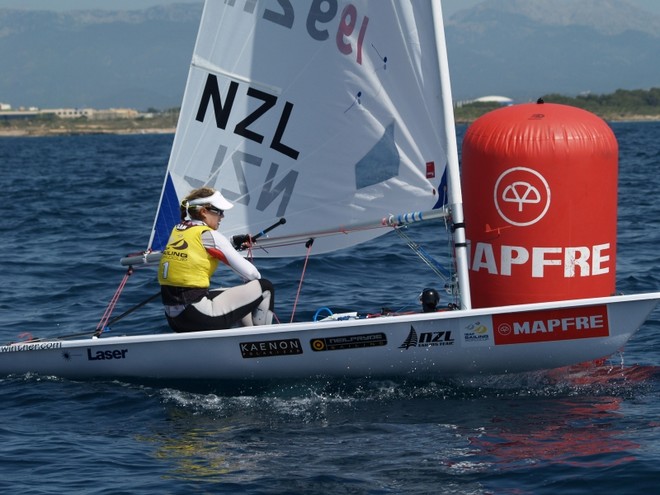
pixel 189 260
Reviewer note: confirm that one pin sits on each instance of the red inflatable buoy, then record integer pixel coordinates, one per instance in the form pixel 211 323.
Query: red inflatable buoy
pixel 540 198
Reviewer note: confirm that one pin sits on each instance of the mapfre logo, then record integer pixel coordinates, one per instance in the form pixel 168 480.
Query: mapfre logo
pixel 522 196
pixel 551 325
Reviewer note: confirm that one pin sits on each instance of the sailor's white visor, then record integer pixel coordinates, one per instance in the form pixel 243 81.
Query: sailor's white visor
pixel 216 200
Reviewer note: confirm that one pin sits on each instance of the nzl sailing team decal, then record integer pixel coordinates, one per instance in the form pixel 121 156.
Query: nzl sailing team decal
pixel 551 325
pixel 427 339
pixel 522 196
pixel 348 342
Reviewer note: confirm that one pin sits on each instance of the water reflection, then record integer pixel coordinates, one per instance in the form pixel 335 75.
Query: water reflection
pixel 583 427
pixel 576 432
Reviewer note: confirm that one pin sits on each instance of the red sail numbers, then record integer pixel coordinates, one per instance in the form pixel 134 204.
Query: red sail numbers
pixel 551 325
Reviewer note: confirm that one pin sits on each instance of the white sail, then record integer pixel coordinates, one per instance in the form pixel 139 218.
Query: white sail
pixel 328 114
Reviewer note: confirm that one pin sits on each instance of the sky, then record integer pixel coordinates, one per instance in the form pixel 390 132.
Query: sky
pixel 449 6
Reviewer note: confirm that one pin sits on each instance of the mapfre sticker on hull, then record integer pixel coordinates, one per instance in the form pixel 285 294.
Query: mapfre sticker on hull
pixel 269 348
pixel 551 325
pixel 348 342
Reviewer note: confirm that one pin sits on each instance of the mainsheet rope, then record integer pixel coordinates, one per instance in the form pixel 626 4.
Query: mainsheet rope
pixel 308 245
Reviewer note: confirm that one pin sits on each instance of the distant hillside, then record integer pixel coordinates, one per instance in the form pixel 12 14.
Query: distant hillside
pixel 608 17
pixel 622 105
pixel 516 48
pixel 526 48
pixel 98 58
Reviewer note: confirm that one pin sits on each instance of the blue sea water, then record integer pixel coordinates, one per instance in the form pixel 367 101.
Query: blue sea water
pixel 74 205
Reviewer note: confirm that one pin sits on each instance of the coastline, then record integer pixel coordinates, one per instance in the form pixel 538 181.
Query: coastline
pixel 131 127
pixel 164 123
pixel 40 132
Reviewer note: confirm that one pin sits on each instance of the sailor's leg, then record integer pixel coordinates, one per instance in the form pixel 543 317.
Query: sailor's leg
pixel 251 303
pixel 262 315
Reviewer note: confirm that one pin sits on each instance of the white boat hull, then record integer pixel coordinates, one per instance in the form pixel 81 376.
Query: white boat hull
pixel 500 340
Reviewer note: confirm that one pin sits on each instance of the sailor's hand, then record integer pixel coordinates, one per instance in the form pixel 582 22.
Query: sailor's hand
pixel 241 241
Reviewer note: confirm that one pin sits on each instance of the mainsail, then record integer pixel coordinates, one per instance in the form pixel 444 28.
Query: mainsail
pixel 328 114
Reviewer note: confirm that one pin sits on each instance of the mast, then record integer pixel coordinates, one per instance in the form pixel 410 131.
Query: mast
pixel 453 178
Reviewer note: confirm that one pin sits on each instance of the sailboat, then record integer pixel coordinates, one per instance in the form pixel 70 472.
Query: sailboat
pixel 328 124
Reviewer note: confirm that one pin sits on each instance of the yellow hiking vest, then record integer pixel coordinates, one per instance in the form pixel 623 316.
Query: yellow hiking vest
pixel 185 261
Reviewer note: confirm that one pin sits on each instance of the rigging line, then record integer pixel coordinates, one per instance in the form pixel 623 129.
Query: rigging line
pixel 388 221
pixel 113 302
pixel 134 308
pixel 308 245
pixel 295 239
pixel 84 334
pixel 423 255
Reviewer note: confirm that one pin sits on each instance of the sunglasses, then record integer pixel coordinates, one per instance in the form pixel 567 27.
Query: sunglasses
pixel 217 211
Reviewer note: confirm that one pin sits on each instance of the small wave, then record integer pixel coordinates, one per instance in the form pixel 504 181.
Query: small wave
pixel 314 400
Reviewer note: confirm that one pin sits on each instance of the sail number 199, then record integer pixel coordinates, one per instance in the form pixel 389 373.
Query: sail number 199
pixel 321 12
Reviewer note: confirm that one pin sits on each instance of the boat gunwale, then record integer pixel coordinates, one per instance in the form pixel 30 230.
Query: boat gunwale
pixel 344 324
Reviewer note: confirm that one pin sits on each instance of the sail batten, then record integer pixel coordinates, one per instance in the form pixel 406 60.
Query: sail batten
pixel 207 66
